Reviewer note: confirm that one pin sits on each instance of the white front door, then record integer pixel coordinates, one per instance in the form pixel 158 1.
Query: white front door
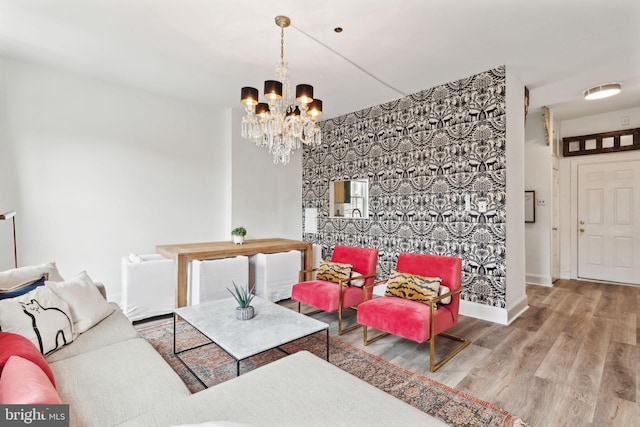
pixel 609 221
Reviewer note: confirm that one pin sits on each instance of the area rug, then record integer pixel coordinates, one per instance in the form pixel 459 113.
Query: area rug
pixel 214 366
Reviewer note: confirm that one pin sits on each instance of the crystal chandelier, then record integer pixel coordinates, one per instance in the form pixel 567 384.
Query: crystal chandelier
pixel 280 123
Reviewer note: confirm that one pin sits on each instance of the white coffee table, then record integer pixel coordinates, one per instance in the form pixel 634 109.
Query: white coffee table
pixel 271 327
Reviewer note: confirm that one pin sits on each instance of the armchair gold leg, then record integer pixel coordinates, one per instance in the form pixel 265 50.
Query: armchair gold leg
pixel 376 338
pixel 349 329
pixel 435 366
pixel 340 330
pixel 311 313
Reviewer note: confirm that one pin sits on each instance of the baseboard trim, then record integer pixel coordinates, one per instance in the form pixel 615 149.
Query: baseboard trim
pixel 518 308
pixel 484 312
pixel 538 280
pixel 499 315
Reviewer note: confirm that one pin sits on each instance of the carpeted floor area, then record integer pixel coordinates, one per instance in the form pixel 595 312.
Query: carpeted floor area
pixel 213 365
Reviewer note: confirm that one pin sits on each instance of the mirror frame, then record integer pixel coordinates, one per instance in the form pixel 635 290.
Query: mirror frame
pixel 337 209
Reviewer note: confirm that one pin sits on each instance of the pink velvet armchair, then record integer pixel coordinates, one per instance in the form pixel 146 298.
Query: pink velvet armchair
pixel 330 296
pixel 418 321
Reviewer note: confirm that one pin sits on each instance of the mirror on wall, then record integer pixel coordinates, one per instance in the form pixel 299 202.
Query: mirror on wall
pixel 349 199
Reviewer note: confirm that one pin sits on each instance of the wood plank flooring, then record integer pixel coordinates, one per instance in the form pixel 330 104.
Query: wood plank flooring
pixel 571 359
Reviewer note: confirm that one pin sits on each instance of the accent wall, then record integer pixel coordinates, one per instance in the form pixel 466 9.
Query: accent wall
pixel 423 155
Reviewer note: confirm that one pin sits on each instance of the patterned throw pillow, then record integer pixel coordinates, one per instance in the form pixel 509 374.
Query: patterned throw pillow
pixel 333 271
pixel 40 316
pixel 412 286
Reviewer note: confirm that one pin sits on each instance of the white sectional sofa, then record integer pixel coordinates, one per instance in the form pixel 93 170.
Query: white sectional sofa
pixel 110 376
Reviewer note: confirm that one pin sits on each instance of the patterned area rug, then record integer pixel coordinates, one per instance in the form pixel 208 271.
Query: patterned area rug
pixel 214 366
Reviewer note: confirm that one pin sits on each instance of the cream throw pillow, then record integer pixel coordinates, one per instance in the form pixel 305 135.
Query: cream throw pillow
pixel 355 281
pixel 87 305
pixel 18 277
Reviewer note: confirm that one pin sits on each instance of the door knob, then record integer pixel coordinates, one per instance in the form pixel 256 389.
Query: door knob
pixel 582 230
pixel 581 222
pixel 555 228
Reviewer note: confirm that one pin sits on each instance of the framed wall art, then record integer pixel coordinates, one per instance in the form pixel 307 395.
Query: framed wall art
pixel 529 206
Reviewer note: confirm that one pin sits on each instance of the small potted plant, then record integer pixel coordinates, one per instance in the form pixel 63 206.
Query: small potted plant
pixel 238 234
pixel 244 296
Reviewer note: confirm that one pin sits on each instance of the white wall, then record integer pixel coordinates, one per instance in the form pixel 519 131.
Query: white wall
pixel 516 290
pixel 8 195
pixel 267 198
pixel 607 122
pixel 99 170
pixel 538 178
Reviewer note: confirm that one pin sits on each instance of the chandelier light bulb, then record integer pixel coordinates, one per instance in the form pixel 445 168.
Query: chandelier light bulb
pixel 315 108
pixel 262 109
pixel 249 96
pixel 304 93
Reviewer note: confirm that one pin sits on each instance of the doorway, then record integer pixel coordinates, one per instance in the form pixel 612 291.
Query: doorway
pixel 608 212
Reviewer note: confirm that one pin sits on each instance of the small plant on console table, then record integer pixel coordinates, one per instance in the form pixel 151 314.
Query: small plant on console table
pixel 244 296
pixel 238 234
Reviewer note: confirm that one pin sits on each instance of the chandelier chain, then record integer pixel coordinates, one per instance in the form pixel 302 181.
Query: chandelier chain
pixel 281 46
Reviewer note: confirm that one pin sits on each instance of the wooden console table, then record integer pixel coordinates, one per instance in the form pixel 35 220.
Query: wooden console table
pixel 183 253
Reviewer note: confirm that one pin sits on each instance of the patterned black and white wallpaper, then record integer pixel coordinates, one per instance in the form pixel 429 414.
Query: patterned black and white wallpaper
pixel 422 154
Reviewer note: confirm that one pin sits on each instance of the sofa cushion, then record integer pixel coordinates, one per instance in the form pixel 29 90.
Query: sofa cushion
pixel 333 271
pixel 218 424
pixel 87 305
pixel 16 277
pixel 23 383
pixel 41 316
pixel 22 289
pixel 114 383
pixel 17 345
pixel 114 328
pixel 412 286
pixel 298 390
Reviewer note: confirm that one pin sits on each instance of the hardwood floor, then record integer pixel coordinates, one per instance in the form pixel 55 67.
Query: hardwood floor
pixel 572 359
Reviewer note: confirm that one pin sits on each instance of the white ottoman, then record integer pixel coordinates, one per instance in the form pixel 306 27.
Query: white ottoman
pixel 210 278
pixel 275 274
pixel 148 286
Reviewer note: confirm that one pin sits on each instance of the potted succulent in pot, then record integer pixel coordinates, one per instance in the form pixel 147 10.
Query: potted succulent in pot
pixel 244 296
pixel 237 234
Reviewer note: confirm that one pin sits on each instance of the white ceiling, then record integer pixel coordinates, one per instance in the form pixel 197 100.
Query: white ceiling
pixel 206 50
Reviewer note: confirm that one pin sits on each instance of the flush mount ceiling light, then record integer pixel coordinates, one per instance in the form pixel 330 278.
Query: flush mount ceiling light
pixel 279 123
pixel 602 91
